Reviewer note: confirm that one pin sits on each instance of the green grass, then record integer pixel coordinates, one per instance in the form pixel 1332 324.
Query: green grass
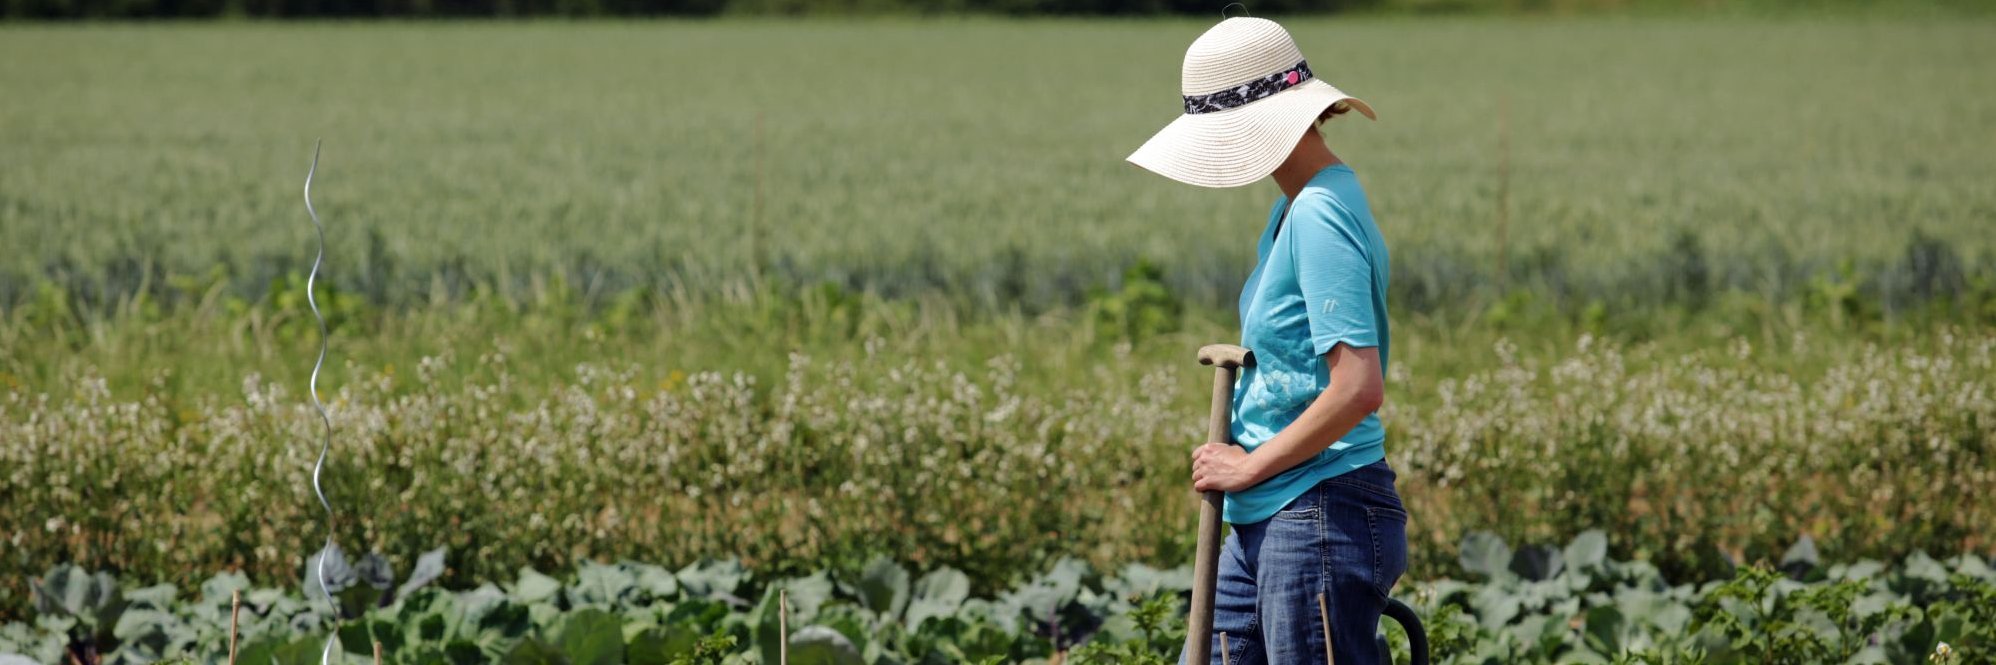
pixel 982 160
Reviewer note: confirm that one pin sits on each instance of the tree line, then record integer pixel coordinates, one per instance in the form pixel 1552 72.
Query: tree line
pixel 131 9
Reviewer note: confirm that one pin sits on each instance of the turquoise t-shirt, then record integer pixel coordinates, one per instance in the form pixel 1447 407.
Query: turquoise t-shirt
pixel 1319 281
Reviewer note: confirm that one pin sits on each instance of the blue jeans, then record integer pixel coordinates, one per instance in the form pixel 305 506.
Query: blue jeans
pixel 1345 538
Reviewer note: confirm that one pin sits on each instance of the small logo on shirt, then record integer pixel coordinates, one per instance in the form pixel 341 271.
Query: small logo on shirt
pixel 1330 306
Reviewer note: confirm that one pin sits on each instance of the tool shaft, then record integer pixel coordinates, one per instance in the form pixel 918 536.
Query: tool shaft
pixel 1206 569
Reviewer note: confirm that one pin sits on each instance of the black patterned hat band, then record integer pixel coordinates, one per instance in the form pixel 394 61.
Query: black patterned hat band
pixel 1249 92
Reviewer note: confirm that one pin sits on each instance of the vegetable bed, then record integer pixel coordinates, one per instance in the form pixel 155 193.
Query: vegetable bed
pixel 1532 604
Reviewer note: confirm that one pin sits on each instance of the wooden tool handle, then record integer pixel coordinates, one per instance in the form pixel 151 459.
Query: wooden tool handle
pixel 1225 359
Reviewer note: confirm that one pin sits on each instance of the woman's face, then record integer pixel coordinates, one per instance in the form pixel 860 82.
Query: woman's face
pixel 1304 142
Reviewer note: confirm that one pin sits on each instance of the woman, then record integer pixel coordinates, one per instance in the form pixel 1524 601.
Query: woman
pixel 1308 492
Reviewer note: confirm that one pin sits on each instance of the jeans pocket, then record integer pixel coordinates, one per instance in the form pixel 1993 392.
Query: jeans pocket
pixel 1389 546
pixel 1304 507
pixel 1296 514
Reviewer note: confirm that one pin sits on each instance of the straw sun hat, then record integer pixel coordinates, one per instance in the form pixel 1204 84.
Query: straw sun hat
pixel 1248 97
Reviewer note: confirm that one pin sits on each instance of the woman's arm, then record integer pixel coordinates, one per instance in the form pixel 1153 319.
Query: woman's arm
pixel 1357 389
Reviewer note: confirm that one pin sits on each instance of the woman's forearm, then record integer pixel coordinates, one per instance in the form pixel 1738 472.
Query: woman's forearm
pixel 1356 391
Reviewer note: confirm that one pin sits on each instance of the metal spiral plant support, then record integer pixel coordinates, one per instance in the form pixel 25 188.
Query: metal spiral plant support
pixel 326 419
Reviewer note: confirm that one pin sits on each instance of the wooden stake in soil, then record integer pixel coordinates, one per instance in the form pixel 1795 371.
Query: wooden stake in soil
pixel 1325 612
pixel 235 609
pixel 782 604
pixel 377 652
pixel 1223 649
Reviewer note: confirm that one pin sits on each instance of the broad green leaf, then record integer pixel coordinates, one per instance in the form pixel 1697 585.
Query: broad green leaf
pixel 939 593
pixel 431 628
pixel 1137 579
pixel 1920 566
pixel 853 622
pixel 606 586
pixel 1035 603
pixel 1587 551
pixel 709 577
pixel 339 576
pixel 464 652
pixel 534 587
pixel 592 637
pixel 71 589
pixel 1950 628
pixel 1671 619
pixel 1537 563
pixel 765 634
pixel 220 589
pixel 1584 656
pixel 358 637
pixel 39 646
pixel 374 571
pixel 1485 555
pixel 1801 558
pixel 305 650
pixel 1871 655
pixel 1871 604
pixel 705 613
pixel 657 581
pixel 259 651
pixel 1864 569
pixel 545 617
pixel 806 595
pixel 504 619
pixel 883 587
pixel 819 645
pixel 531 651
pixel 429 567
pixel 658 646
pixel 1606 628
pixel 1041 600
pixel 1495 606
pixel 1918 639
pixel 157 596
pixel 1067 576
pixel 1529 630
pixel 970 640
pixel 90 597
pixel 358 599
pixel 149 628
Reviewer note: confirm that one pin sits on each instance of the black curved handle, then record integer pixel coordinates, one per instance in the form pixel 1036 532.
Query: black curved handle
pixel 1417 636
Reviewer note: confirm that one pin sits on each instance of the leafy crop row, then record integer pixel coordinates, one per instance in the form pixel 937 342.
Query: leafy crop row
pixel 1538 604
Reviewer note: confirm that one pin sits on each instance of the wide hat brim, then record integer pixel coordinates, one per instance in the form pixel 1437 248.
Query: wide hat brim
pixel 1240 145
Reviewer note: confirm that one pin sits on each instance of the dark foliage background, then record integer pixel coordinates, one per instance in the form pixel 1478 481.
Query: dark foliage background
pixel 73 9
pixel 139 9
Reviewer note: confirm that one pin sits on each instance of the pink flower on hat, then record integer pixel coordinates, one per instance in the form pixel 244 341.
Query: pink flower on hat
pixel 1292 77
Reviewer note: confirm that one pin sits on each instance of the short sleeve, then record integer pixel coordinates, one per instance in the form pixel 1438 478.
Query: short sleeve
pixel 1334 272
